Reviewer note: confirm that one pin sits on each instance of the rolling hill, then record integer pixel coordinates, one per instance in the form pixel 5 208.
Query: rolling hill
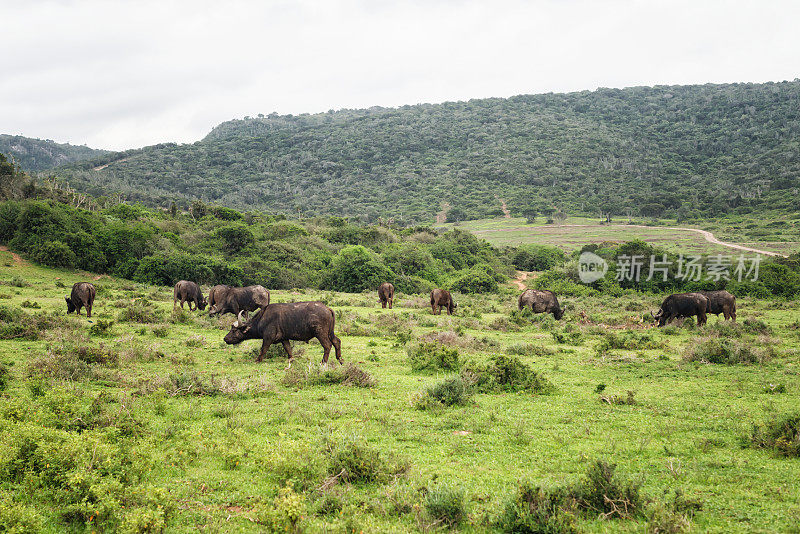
pixel 37 155
pixel 680 151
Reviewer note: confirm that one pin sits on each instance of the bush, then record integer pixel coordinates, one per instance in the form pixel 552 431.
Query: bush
pixel 725 351
pixel 449 392
pixel 537 257
pixel 101 328
pixel 312 375
pixel 445 505
pixel 356 462
pixel 475 280
pixel 505 373
pixel 355 269
pixel 433 356
pixel 781 435
pixel 141 311
pixel 534 510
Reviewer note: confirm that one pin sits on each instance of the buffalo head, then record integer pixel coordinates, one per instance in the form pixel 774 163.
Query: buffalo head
pixel 238 332
pixel 202 304
pixel 70 305
pixel 559 313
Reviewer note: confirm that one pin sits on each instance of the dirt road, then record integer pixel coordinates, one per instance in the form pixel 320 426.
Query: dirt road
pixel 17 259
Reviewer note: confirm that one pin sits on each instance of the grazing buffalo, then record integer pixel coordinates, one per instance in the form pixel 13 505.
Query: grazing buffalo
pixel 541 301
pixel 721 302
pixel 386 294
pixel 216 294
pixel 186 291
pixel 682 305
pixel 82 296
pixel 442 299
pixel 282 322
pixel 239 299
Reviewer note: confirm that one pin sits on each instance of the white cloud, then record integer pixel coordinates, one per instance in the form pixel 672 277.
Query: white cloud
pixel 125 74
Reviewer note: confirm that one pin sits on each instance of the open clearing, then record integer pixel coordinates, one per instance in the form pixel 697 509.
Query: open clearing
pixel 578 231
pixel 224 456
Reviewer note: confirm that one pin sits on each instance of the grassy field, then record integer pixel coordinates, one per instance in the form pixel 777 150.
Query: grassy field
pixel 780 235
pixel 223 444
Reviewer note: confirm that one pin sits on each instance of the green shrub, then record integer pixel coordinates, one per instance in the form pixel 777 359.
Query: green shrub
pixel 475 280
pixel 299 375
pixel 30 304
pixel 17 518
pixel 433 356
pixel 529 349
pixel 781 435
pixel 355 269
pixel 505 373
pixel 449 392
pixel 140 311
pixel 534 510
pixel 356 462
pixel 161 330
pixel 445 505
pixel 101 328
pixel 537 257
pixel 725 351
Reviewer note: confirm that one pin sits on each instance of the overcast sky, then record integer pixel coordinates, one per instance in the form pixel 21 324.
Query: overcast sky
pixel 126 74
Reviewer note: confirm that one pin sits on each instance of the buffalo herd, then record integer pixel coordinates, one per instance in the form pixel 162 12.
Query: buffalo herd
pixel 302 321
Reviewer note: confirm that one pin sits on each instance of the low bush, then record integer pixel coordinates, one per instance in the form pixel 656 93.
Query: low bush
pixel 449 392
pixel 627 340
pixel 311 374
pixel 192 383
pixel 433 356
pixel 601 493
pixel 140 311
pixel 445 506
pixel 781 435
pixel 613 399
pixel 356 462
pixel 30 304
pixel 505 373
pixel 102 328
pixel 726 351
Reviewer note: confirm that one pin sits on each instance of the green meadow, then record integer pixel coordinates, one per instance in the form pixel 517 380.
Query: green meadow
pixel 142 419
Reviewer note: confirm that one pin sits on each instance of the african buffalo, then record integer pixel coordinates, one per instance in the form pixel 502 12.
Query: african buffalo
pixel 682 305
pixel 186 291
pixel 541 301
pixel 216 294
pixel 441 298
pixel 82 296
pixel 289 321
pixel 237 299
pixel 386 294
pixel 721 302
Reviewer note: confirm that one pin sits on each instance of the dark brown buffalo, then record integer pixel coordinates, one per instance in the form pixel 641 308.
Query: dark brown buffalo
pixel 216 294
pixel 721 302
pixel 82 296
pixel 386 294
pixel 239 299
pixel 541 301
pixel 441 298
pixel 682 305
pixel 186 291
pixel 282 322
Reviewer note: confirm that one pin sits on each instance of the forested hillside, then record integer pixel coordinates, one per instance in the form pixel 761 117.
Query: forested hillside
pixel 37 155
pixel 681 151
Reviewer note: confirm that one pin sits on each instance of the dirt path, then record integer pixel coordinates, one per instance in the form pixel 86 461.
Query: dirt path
pixel 504 207
pixel 519 280
pixel 705 233
pixel 17 259
pixel 101 167
pixel 441 217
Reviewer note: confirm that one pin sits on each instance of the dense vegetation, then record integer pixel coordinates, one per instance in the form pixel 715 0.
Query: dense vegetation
pixel 679 151
pixel 36 155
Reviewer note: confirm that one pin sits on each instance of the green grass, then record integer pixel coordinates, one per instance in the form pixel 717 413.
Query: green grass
pixel 238 451
pixel 577 231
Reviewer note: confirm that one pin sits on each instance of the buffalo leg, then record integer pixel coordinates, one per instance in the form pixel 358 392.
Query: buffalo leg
pixel 733 315
pixel 337 345
pixel 390 303
pixel 325 341
pixel 383 304
pixel 88 310
pixel 288 348
pixel 701 318
pixel 264 348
